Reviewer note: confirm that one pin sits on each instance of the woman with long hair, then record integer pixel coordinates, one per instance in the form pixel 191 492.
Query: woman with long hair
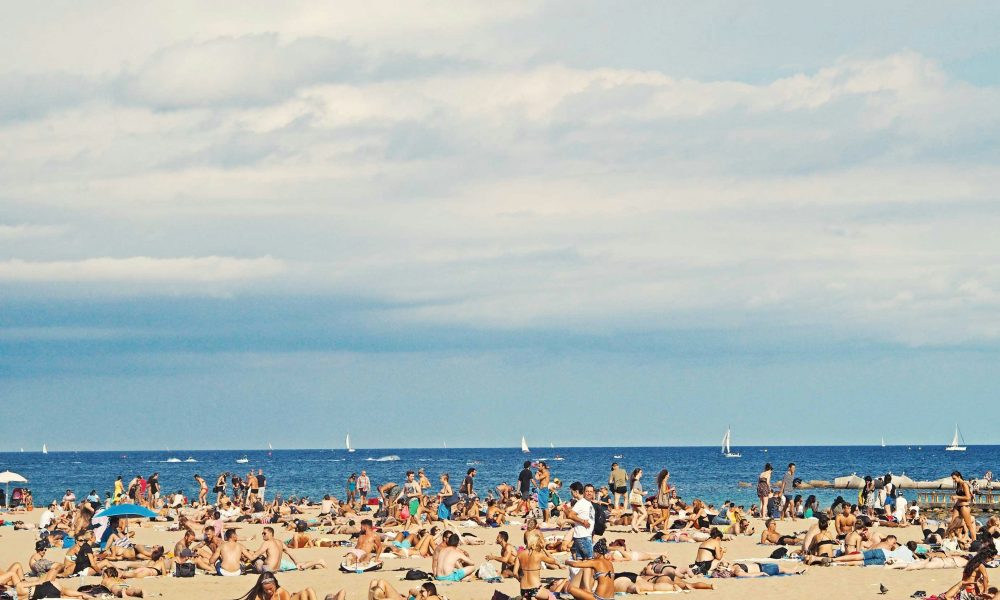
pixel 764 488
pixel 975 580
pixel 637 501
pixel 963 507
pixel 267 588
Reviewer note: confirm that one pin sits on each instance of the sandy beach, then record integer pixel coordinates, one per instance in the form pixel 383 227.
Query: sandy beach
pixel 817 582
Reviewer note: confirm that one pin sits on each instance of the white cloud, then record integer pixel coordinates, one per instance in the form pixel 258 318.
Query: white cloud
pixel 25 231
pixel 142 269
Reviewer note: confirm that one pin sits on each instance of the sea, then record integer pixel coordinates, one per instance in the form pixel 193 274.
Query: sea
pixel 696 472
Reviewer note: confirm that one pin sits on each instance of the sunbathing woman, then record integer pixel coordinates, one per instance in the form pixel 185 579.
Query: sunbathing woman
pixel 13 575
pixel 762 569
pixel 380 589
pixel 156 566
pixel 620 552
pixel 824 545
pixel 604 575
pixel 267 588
pixel 528 568
pixel 709 552
pixel 112 584
pixel 48 588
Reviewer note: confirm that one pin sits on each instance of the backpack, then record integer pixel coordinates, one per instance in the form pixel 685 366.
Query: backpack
pixel 600 519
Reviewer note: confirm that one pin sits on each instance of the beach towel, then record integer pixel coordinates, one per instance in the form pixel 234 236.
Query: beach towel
pixel 371 565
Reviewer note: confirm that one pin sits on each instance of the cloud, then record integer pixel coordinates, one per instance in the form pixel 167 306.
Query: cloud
pixel 31 95
pixel 26 231
pixel 142 269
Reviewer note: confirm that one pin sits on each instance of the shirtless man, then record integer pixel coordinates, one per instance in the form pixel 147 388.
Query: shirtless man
pixel 845 521
pixel 770 535
pixel 453 564
pixel 253 488
pixel 228 558
pixel 369 544
pixel 184 552
pixel 507 555
pixel 269 553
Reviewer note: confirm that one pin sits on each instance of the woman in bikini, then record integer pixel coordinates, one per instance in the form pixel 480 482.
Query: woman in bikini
pixel 112 582
pixel 528 568
pixel 156 566
pixel 824 545
pixel 267 588
pixel 762 569
pixel 202 490
pixel 764 488
pixel 220 487
pixel 637 501
pixel 47 588
pixel 604 575
pixel 963 507
pixel 709 552
pixel 975 580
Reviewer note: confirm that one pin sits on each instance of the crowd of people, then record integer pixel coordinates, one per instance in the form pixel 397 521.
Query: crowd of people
pixel 565 534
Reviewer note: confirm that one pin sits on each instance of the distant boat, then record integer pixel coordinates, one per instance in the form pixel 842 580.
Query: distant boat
pixel 883 441
pixel 173 460
pixel 551 445
pixel 726 450
pixel 190 459
pixel 558 458
pixel 243 460
pixel 269 446
pixel 444 445
pixel 524 446
pixel 22 449
pixel 618 456
pixel 45 449
pixel 348 443
pixel 954 447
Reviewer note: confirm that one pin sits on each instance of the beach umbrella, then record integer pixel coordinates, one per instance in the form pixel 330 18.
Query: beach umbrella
pixel 7 478
pixel 126 510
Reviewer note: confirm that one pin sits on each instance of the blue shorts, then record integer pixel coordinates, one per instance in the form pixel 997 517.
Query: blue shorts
pixel 874 557
pixel 583 548
pixel 771 569
pixel 456 575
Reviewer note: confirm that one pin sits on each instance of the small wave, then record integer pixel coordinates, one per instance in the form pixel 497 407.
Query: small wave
pixel 389 458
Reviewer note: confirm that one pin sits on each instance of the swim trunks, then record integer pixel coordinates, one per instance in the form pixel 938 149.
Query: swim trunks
pixel 874 557
pixel 456 575
pixel 219 570
pixel 770 569
pixel 287 565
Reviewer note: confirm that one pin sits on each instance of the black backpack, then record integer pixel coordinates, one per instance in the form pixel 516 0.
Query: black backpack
pixel 600 519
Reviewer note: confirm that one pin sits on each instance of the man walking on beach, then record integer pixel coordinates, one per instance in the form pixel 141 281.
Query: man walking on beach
pixel 468 486
pixel 364 485
pixel 788 490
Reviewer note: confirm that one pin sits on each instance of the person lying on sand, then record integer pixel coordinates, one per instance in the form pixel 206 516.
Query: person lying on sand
pixel 267 588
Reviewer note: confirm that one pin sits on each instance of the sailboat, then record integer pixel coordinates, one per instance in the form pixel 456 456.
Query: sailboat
pixel 551 445
pixel 883 441
pixel 524 446
pixel 954 447
pixel 45 449
pixel 269 446
pixel 726 450
pixel 348 443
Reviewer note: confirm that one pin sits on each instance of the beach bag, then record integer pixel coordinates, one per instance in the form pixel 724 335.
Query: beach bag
pixel 635 498
pixel 600 519
pixel 488 572
pixel 416 575
pixel 184 570
pixel 779 553
pixel 498 595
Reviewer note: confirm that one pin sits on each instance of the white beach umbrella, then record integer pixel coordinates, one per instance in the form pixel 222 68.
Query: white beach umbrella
pixel 7 478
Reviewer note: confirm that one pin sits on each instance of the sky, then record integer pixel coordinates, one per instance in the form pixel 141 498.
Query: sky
pixel 589 223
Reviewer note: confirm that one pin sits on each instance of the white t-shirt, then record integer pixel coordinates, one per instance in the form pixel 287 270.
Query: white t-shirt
pixel 584 510
pixel 900 556
pixel 901 508
pixel 47 517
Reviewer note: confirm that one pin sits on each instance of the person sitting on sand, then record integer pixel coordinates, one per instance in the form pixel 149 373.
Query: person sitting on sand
pixel 46 587
pixel 228 558
pixel 823 545
pixel 507 554
pixel 845 521
pixel 603 572
pixel 528 568
pixel 771 537
pixel 709 552
pixel 267 588
pixel 274 557
pixel 760 569
pixel 380 589
pixel 975 580
pixel 38 565
pixel 453 564
pixel 368 545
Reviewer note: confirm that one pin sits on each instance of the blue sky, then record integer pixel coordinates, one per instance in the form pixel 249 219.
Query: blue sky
pixel 590 224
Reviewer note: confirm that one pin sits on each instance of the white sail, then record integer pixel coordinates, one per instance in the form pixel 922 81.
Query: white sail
pixel 551 445
pixel 524 445
pixel 883 442
pixel 45 449
pixel 955 442
pixel 726 450
pixel 269 446
pixel 347 442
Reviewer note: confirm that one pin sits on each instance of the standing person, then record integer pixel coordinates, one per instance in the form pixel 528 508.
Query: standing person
pixel 787 487
pixel 616 481
pixel 468 489
pixel 524 485
pixel 261 484
pixel 202 489
pixel 119 490
pixel 252 488
pixel 220 488
pixel 412 492
pixel 663 494
pixel 581 513
pixel 425 484
pixel 154 487
pixel 764 488
pixel 637 501
pixel 364 486
pixel 351 489
pixel 963 507
pixel 542 476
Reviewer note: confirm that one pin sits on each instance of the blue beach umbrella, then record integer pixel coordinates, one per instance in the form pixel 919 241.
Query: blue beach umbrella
pixel 126 510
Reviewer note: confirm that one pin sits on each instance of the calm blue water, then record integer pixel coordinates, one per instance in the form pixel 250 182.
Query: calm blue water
pixel 697 472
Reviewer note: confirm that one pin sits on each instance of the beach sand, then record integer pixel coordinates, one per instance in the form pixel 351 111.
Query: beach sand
pixel 817 582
